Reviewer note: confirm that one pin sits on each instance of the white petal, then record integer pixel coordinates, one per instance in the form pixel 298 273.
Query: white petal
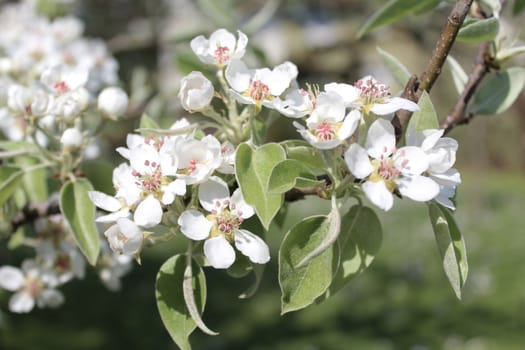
pixel 142 155
pixel 329 106
pixel 213 191
pixel 124 213
pixel 238 75
pixel 194 225
pixel 104 201
pixel 381 139
pixel 237 201
pixel 148 212
pixel 21 302
pixel 418 188
pixel 358 161
pixel 431 138
pixel 219 252
pixel 133 236
pixel 451 177
pixel 177 187
pixel 411 160
pixel 378 194
pixel 393 105
pixel 348 92
pixel 50 298
pixel 241 45
pixel 349 125
pixel 11 278
pixel 252 246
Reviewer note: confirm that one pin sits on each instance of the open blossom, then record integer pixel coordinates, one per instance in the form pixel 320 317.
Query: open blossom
pixel 62 80
pixel 327 127
pixel 296 103
pixel 221 227
pixel 386 170
pixel 370 95
pixel 220 48
pixel 31 287
pixel 259 86
pixel 196 92
pixel 198 159
pixel 32 101
pixel 124 237
pixel 441 155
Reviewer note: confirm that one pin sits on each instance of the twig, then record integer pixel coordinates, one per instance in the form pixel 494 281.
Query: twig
pixel 415 87
pixel 33 211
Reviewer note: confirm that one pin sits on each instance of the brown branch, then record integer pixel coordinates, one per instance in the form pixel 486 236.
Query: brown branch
pixel 415 87
pixel 457 114
pixel 33 211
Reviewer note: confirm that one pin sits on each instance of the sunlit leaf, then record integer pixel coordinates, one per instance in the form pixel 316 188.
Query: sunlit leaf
pixel 395 10
pixel 400 73
pixel 146 122
pixel 34 179
pixel 291 173
pixel 459 77
pixel 253 168
pixel 425 117
pixel 170 299
pixel 451 246
pixel 478 30
pixel 79 212
pixel 499 91
pixel 303 152
pixel 301 286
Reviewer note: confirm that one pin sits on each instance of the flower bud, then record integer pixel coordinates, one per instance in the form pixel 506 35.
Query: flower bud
pixel 196 92
pixel 113 102
pixel 71 138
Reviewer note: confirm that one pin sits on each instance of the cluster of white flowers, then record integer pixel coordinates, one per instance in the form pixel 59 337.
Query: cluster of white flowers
pixel 50 74
pixel 57 262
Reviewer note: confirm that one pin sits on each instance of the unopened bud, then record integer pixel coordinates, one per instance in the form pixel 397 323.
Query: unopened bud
pixel 113 102
pixel 196 92
pixel 71 139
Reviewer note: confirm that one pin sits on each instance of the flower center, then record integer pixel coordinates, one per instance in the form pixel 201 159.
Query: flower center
pixel 61 87
pixel 325 131
pixel 385 170
pixel 258 91
pixel 222 54
pixel 150 182
pixel 33 286
pixel 62 263
pixel 225 221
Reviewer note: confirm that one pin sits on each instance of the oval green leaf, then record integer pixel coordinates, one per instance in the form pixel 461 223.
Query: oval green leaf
pixel 425 117
pixel 499 91
pixel 10 178
pixel 253 168
pixel 170 298
pixel 300 286
pixel 79 212
pixel 290 173
pixel 451 246
pixel 477 31
pixel 303 152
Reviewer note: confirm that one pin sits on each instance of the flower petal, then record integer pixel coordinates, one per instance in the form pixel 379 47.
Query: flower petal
pixel 194 225
pixel 393 105
pixel 379 194
pixel 104 201
pixel 11 278
pixel 238 204
pixel 238 75
pixel 381 139
pixel 213 191
pixel 411 160
pixel 252 246
pixel 148 212
pixel 21 302
pixel 50 298
pixel 348 92
pixel 418 188
pixel 358 161
pixel 219 252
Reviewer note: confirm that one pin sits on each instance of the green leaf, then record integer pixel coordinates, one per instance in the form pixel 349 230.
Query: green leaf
pixel 359 242
pixel 400 73
pixel 301 286
pixel 479 30
pixel 34 179
pixel 451 246
pixel 170 299
pixel 303 152
pixel 459 77
pixel 425 117
pixel 10 178
pixel 519 5
pixel 506 53
pixel 395 10
pixel 18 145
pixel 79 212
pixel 146 122
pixel 253 168
pixel 499 91
pixel 100 174
pixel 291 173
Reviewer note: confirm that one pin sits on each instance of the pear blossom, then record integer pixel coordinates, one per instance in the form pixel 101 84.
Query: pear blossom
pixel 112 267
pixel 259 86
pixel 386 169
pixel 441 154
pixel 198 159
pixel 221 227
pixel 112 102
pixel 296 103
pixel 370 95
pixel 32 101
pixel 124 237
pixel 220 48
pixel 71 139
pixel 327 126
pixel 61 80
pixel 196 92
pixel 30 287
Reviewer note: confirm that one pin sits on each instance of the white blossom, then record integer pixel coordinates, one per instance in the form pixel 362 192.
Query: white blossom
pixel 196 92
pixel 220 48
pixel 113 102
pixel 71 139
pixel 221 227
pixel 198 159
pixel 124 237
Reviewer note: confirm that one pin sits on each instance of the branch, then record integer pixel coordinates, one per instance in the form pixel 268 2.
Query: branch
pixel 457 114
pixel 33 211
pixel 415 87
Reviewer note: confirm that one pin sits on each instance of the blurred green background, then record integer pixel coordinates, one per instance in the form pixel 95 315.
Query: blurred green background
pixel 403 301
